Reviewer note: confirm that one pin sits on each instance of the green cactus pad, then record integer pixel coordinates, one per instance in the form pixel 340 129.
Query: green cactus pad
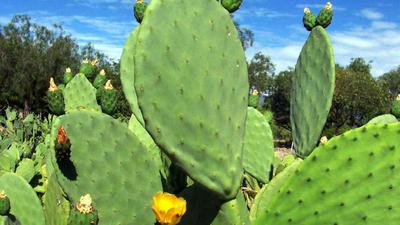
pixel 312 91
pixel 56 206
pixel 67 78
pixel 26 169
pixel 88 70
pixel 204 208
pixel 55 100
pixel 108 100
pixel 25 205
pixel 80 94
pixel 128 74
pixel 254 100
pixel 386 118
pixel 192 88
pixel 110 163
pixel 231 5
pixel 352 179
pixel 139 10
pixel 269 190
pixel 258 148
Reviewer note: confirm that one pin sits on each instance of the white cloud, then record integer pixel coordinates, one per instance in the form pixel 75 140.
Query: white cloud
pixel 371 14
pixel 378 25
pixel 319 6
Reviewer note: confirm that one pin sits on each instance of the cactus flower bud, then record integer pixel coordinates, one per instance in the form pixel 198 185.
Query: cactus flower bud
pixel 255 93
pixel 324 140
pixel 102 72
pixel 307 10
pixel 62 137
pixel 168 208
pixel 329 6
pixel 94 62
pixel 398 97
pixel 108 85
pixel 53 87
pixel 139 1
pixel 68 70
pixel 4 203
pixel 85 204
pixel 86 61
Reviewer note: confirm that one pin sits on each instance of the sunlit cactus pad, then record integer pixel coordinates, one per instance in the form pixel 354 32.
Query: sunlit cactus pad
pixel 192 86
pixel 118 171
pixel 352 179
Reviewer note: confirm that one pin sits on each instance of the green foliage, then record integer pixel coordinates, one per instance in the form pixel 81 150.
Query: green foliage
pixel 260 71
pixel 390 82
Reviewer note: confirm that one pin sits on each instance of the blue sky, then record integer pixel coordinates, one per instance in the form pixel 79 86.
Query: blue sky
pixel 367 28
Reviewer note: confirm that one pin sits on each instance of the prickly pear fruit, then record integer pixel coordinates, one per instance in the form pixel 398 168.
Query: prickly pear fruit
pixel 396 107
pixel 108 98
pixel 324 17
pixel 63 145
pixel 88 68
pixel 254 99
pixel 309 19
pixel 83 213
pixel 67 76
pixel 4 204
pixel 100 79
pixel 55 99
pixel 139 9
pixel 231 5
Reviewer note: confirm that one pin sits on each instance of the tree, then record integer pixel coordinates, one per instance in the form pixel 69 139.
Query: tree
pixel 30 55
pixel 390 82
pixel 280 97
pixel 246 35
pixel 261 69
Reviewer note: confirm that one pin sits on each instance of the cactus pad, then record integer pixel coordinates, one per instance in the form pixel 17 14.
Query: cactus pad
pixel 128 74
pixel 352 179
pixel 25 205
pixel 258 149
pixel 192 87
pixel 117 171
pixel 386 118
pixel 80 94
pixel 56 206
pixel 312 91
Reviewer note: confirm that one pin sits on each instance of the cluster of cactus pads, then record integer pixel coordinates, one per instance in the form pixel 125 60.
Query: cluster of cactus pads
pixel 193 134
pixel 77 91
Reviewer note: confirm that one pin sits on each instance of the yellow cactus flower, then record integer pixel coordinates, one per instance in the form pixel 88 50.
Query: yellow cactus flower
pixel 85 204
pixel 94 62
pixel 102 72
pixel 328 6
pixel 398 97
pixel 53 87
pixel 3 194
pixel 168 208
pixel 323 140
pixel 108 85
pixel 68 70
pixel 255 92
pixel 139 1
pixel 307 10
pixel 86 61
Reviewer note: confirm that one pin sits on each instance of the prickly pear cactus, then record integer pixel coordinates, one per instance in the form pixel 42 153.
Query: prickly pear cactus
pixel 67 76
pixel 269 190
pixel 25 205
pixel 101 161
pixel 80 94
pixel 128 74
pixel 231 5
pixel 254 99
pixel 324 17
pixel 352 179
pixel 100 79
pixel 396 107
pixel 309 19
pixel 205 139
pixel 88 68
pixel 386 118
pixel 258 148
pixel 312 91
pixel 139 9
pixel 108 98
pixel 55 99
pixel 56 206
